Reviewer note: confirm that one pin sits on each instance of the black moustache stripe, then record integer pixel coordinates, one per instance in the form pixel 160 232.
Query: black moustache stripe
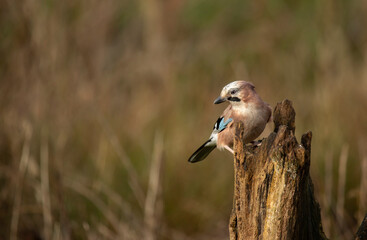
pixel 234 99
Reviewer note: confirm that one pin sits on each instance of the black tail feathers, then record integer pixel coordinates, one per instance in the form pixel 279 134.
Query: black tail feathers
pixel 202 152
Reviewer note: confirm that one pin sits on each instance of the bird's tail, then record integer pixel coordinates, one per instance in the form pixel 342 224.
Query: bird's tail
pixel 202 152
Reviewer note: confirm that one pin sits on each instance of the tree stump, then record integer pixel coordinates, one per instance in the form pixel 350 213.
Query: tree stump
pixel 273 191
pixel 362 230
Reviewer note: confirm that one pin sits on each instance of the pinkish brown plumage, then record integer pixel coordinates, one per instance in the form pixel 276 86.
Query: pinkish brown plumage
pixel 245 106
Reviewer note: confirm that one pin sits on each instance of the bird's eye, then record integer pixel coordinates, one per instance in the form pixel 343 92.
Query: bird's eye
pixel 233 91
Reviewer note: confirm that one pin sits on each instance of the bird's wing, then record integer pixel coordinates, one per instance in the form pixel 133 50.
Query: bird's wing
pixel 203 151
pixel 220 124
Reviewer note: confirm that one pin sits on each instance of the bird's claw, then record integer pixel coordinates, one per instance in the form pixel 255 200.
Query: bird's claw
pixel 257 143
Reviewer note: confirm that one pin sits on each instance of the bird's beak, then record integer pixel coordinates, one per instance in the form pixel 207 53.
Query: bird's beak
pixel 219 100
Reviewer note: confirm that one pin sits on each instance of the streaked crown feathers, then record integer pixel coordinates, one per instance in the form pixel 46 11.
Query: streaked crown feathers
pixel 237 88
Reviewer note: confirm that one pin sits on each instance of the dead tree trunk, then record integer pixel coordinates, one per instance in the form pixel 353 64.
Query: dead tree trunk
pixel 362 230
pixel 273 192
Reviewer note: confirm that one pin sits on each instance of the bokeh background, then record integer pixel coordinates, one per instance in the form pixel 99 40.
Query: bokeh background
pixel 102 103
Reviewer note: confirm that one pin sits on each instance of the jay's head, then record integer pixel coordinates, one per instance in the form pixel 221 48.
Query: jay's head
pixel 235 92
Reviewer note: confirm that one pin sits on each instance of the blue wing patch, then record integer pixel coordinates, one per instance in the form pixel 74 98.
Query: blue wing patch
pixel 223 125
pixel 220 125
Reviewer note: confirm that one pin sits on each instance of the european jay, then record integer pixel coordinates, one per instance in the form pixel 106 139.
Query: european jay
pixel 245 105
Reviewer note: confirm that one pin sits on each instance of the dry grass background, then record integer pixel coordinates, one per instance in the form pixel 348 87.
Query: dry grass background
pixel 102 102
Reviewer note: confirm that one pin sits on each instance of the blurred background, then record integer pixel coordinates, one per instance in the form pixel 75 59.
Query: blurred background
pixel 102 103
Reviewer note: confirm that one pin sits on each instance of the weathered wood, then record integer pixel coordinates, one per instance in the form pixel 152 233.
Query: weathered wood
pixel 362 230
pixel 273 192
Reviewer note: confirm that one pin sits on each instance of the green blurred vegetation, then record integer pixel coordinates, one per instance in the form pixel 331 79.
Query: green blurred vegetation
pixel 94 82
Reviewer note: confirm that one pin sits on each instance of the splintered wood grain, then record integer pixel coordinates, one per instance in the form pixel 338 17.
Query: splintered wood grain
pixel 273 192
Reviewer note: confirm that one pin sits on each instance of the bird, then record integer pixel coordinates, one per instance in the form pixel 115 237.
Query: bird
pixel 246 106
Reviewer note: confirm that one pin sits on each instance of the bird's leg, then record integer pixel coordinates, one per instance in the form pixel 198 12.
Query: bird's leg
pixel 229 149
